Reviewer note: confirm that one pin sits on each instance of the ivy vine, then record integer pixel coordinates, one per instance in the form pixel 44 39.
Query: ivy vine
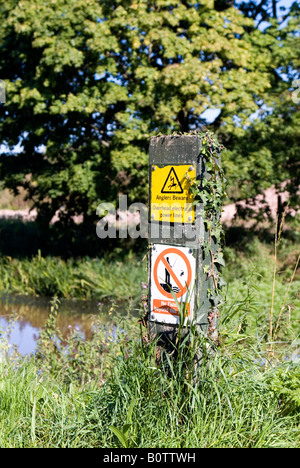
pixel 209 192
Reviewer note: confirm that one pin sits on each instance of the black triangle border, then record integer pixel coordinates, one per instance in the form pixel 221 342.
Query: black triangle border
pixel 163 191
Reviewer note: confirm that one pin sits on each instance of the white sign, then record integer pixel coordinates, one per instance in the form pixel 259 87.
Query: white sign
pixel 172 283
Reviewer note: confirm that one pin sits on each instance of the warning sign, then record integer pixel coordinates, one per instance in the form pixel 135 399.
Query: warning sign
pixel 171 199
pixel 172 283
pixel 172 184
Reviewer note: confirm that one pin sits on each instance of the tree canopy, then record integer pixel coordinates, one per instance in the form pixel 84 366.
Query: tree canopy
pixel 88 83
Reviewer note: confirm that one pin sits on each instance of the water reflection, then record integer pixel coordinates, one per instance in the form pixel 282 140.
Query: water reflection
pixel 32 314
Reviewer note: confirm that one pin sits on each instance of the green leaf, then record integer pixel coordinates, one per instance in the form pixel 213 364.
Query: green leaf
pixel 119 434
pixel 125 429
pixel 220 259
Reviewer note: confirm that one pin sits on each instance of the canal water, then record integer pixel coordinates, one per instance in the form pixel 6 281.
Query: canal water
pixel 29 314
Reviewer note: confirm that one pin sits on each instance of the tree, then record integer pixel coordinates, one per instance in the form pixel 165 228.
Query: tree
pixel 89 82
pixel 268 152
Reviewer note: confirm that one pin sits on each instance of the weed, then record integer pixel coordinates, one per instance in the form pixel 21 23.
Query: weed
pixel 86 278
pixel 110 391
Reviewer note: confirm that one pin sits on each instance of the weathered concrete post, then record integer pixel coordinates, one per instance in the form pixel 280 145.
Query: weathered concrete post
pixel 183 235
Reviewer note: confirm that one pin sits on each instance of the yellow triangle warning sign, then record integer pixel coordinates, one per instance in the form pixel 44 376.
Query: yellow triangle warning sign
pixel 172 184
pixel 170 191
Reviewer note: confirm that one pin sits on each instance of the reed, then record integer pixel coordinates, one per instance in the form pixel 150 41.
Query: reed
pixel 110 392
pixel 83 278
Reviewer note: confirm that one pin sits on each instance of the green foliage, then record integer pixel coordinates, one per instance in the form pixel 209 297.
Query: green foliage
pixel 74 359
pixel 110 391
pixel 123 434
pixel 209 193
pixel 267 153
pixel 228 401
pixel 285 382
pixel 249 274
pixel 89 82
pixel 83 278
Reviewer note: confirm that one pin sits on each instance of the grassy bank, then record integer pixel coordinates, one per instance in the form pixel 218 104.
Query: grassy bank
pixel 248 270
pixel 110 392
pixel 85 278
pixel 260 287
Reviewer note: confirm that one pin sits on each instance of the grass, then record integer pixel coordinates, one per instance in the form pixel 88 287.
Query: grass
pixel 229 401
pixel 85 278
pixel 250 280
pixel 111 392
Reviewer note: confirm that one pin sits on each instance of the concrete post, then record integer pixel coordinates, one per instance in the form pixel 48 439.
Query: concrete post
pixel 182 269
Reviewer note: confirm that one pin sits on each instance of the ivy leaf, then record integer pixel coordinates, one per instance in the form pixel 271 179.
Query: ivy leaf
pixel 219 259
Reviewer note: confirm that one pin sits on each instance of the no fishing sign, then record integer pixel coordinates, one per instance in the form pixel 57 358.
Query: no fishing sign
pixel 172 283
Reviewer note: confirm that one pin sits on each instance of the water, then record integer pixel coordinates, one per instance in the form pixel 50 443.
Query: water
pixel 32 314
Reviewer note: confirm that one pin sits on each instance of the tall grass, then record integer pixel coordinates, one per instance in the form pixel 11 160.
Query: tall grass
pixel 111 392
pixel 84 278
pixel 256 300
pixel 251 269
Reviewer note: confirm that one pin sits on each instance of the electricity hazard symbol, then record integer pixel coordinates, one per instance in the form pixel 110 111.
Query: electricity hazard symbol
pixel 172 184
pixel 171 198
pixel 172 283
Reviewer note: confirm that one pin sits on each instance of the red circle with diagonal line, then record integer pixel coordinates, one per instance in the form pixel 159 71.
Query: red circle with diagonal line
pixel 161 258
